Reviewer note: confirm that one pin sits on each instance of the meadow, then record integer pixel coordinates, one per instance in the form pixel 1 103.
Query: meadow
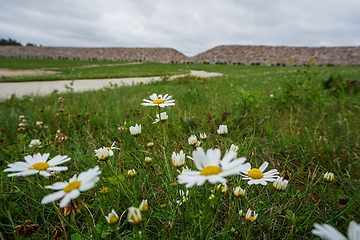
pixel 289 117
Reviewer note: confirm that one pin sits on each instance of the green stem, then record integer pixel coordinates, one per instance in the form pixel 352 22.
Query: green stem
pixel 265 204
pixel 67 223
pixel 88 219
pixel 248 232
pixel 120 182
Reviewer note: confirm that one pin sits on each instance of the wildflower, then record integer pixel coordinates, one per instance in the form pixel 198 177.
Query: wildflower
pixel 184 196
pixel 178 159
pixel 241 213
pixel 271 95
pixel 184 169
pixel 256 176
pixel 38 123
pixel 202 136
pixel 37 164
pixel 21 117
pixel 61 100
pixel 192 140
pixel 197 144
pixel 163 117
pixel 248 216
pixel 148 159
pixel 144 207
pixel 280 183
pixel 159 100
pixel 35 143
pixel 112 148
pixel 327 232
pixel 112 218
pixel 105 190
pixel 211 168
pixel 102 154
pixel 27 229
pixel 150 145
pixel 239 192
pixel 329 177
pixel 22 124
pixel 134 215
pixel 234 148
pixel 71 190
pixel 223 187
pixel 71 208
pixel 222 130
pixel 135 131
pixel 132 173
pixel 212 197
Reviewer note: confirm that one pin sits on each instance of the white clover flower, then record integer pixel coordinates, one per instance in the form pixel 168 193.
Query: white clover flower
pixel 144 207
pixel 102 154
pixel 257 176
pixel 223 129
pixel 136 130
pixel 327 232
pixel 239 192
pixel 71 190
pixel 211 168
pixel 248 216
pixel 329 177
pixel 35 143
pixel 280 183
pixel 112 218
pixel 23 124
pixel 159 100
pixel 163 117
pixel 134 215
pixel 184 196
pixel 38 123
pixel 192 140
pixel 202 136
pixel 178 159
pixel 37 164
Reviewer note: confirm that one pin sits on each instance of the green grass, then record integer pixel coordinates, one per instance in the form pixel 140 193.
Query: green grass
pixel 283 130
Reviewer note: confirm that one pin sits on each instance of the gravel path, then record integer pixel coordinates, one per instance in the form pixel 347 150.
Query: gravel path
pixel 47 87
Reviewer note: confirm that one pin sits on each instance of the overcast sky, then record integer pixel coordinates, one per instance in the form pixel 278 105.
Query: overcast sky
pixel 189 26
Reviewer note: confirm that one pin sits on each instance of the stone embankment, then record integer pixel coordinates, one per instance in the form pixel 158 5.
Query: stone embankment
pixel 228 54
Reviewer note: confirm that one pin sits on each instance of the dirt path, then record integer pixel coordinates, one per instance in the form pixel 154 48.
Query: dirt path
pixel 46 87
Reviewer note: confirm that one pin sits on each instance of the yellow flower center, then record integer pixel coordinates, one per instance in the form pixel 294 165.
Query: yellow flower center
pixel 210 170
pixel 255 173
pixel 71 186
pixel 144 208
pixel 108 148
pixel 251 218
pixel 41 166
pixel 113 220
pixel 158 101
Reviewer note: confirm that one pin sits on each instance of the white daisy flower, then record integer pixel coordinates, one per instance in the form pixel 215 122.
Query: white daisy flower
pixel 211 168
pixel 71 190
pixel 135 130
pixel 112 218
pixel 134 215
pixel 37 164
pixel 234 148
pixel 163 117
pixel 223 129
pixel 109 149
pixel 280 183
pixel 103 154
pixel 257 176
pixel 239 192
pixel 132 173
pixel 184 196
pixel 223 187
pixel 192 140
pixel 178 159
pixel 327 232
pixel 329 177
pixel 248 216
pixel 197 144
pixel 35 143
pixel 144 206
pixel 159 100
pixel 202 136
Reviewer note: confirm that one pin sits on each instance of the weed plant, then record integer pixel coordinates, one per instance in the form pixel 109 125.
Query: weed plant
pixel 286 119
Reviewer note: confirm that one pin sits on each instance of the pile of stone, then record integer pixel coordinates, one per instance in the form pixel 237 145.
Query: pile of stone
pixel 229 54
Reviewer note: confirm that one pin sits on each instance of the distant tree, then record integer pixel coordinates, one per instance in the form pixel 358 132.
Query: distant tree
pixel 30 44
pixel 9 42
